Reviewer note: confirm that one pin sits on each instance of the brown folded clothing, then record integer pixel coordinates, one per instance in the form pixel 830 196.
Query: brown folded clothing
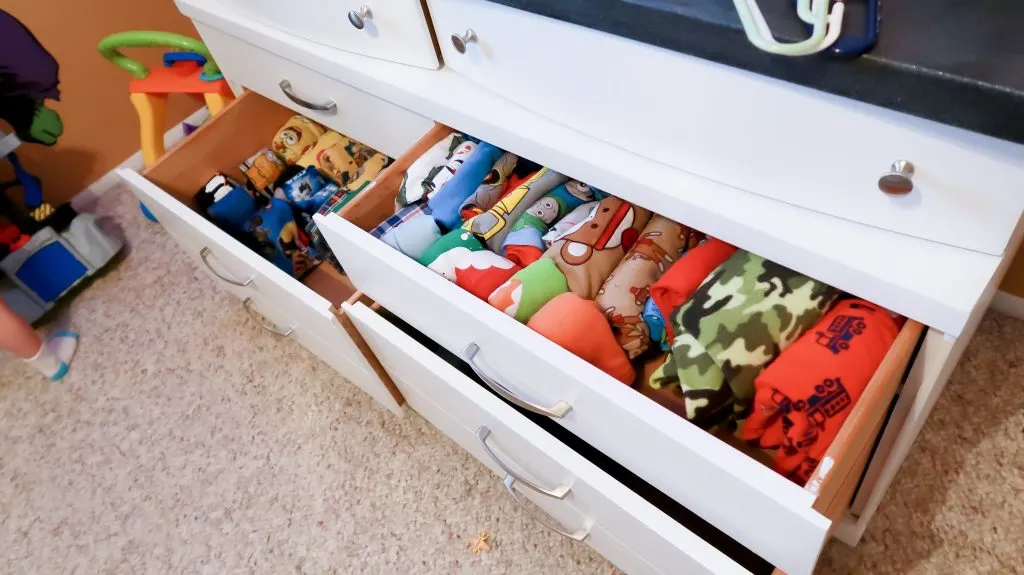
pixel 591 249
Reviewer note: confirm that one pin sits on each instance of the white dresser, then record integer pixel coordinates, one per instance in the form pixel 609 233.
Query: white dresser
pixel 721 150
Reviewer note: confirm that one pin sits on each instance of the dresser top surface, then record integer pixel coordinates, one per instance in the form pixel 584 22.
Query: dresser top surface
pixel 954 62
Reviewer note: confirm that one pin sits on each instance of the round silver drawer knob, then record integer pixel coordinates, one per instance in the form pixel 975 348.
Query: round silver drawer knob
pixel 460 42
pixel 359 17
pixel 899 180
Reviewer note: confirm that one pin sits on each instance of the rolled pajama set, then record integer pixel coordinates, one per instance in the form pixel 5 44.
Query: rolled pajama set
pixel 492 189
pixel 418 182
pixel 452 248
pixel 566 223
pixel 296 137
pixel 685 276
pixel 461 258
pixel 525 242
pixel 622 296
pixel 805 396
pixel 444 205
pixel 588 253
pixel 740 318
pixel 579 327
pixel 415 236
pixel 529 289
pixel 494 225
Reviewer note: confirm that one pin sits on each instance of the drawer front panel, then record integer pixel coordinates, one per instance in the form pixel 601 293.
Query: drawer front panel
pixel 336 349
pixel 291 304
pixel 766 513
pixel 781 141
pixel 395 30
pixel 374 122
pixel 594 500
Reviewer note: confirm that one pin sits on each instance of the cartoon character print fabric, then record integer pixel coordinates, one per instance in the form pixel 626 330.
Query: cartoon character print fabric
pixel 623 294
pixel 590 250
pixel 495 224
pixel 805 396
pixel 296 137
pixel 417 183
pixel 280 240
pixel 525 242
pixel 740 318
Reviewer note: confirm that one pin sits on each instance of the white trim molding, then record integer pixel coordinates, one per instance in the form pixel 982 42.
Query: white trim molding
pixel 86 199
pixel 1008 304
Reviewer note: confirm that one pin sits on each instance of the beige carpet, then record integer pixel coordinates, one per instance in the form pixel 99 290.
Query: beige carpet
pixel 188 440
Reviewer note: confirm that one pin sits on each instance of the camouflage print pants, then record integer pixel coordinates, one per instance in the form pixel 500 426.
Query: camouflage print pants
pixel 739 319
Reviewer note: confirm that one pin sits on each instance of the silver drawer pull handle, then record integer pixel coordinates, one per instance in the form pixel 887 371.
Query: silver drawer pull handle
pixel 482 433
pixel 558 410
pixel 359 17
pixel 204 255
pixel 509 481
pixel 579 535
pixel 899 180
pixel 460 42
pixel 328 106
pixel 249 307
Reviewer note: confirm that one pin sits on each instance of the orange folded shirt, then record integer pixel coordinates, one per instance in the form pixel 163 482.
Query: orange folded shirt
pixel 578 326
pixel 804 397
pixel 679 282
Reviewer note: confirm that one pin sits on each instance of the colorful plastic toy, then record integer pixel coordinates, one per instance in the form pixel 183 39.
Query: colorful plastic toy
pixel 189 70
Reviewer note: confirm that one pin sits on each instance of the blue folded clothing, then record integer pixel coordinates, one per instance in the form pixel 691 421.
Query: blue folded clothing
pixel 444 205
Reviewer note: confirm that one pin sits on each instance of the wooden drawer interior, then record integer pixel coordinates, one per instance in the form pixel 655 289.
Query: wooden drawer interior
pixel 836 479
pixel 220 145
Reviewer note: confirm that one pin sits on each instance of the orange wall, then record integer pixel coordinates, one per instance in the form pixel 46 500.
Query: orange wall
pixel 101 129
pixel 1014 280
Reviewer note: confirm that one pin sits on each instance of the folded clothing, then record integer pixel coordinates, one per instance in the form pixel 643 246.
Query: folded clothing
pixel 415 236
pixel 747 312
pixel 655 323
pixel 296 137
pixel 337 157
pixel 307 190
pixel 340 196
pixel 280 239
pixel 444 205
pixel 580 328
pixel 399 218
pixel 368 172
pixel 262 170
pixel 494 225
pixel 804 397
pixel 481 272
pixel 524 243
pixel 494 186
pixel 591 249
pixel 449 250
pixel 225 202
pixel 623 294
pixel 566 223
pixel 529 289
pixel 682 279
pixel 418 179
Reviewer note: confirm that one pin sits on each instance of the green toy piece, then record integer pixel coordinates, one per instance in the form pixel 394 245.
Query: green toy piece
pixel 110 48
pixel 46 126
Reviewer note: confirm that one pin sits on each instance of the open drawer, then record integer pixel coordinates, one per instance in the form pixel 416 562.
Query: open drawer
pixel 780 521
pixel 306 310
pixel 576 498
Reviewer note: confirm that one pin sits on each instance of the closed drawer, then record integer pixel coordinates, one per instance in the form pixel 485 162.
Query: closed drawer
pixel 308 307
pixel 393 30
pixel 781 141
pixel 582 502
pixel 367 118
pixel 782 522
